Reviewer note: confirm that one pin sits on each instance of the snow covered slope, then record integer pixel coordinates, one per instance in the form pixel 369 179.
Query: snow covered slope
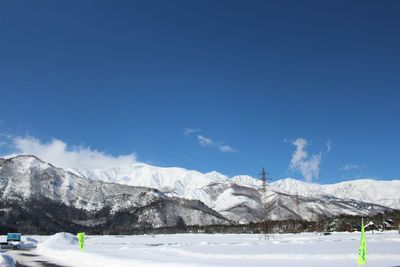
pixel 174 181
pixel 238 198
pixel 385 193
pixel 29 186
pixel 191 184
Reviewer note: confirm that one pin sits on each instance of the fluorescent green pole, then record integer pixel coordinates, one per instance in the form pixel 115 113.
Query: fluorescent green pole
pixel 362 251
pixel 81 238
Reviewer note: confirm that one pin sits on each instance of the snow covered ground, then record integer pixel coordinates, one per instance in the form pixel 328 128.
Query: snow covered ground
pixel 308 249
pixel 6 261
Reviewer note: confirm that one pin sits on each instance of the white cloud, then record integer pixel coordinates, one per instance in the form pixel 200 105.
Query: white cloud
pixel 227 149
pixel 328 145
pixel 307 165
pixel 350 167
pixel 205 141
pixel 189 131
pixel 60 154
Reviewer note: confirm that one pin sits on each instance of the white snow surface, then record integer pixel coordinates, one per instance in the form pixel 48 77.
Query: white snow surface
pixel 234 250
pixel 6 261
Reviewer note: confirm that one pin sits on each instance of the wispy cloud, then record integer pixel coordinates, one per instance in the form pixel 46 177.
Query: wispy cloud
pixel 189 131
pixel 205 141
pixel 62 155
pixel 307 165
pixel 227 149
pixel 328 145
pixel 350 167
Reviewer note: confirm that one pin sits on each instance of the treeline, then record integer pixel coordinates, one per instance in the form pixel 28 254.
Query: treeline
pixel 41 216
pixel 340 224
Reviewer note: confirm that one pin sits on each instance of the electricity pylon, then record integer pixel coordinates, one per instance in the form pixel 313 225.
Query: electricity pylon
pixel 264 204
pixel 297 205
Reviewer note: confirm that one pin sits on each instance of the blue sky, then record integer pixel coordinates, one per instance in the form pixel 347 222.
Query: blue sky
pixel 128 77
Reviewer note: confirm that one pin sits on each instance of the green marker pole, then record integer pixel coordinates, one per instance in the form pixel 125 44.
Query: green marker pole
pixel 81 238
pixel 362 251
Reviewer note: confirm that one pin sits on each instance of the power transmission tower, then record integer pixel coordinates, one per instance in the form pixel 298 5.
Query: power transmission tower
pixel 318 223
pixel 297 204
pixel 264 204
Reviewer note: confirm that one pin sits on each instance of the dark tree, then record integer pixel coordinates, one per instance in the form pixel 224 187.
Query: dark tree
pixel 180 224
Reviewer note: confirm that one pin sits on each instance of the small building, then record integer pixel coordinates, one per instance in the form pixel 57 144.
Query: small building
pixel 14 237
pixel 13 241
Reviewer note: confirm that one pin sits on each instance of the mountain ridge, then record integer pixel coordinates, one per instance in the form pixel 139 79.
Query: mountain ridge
pixel 182 186
pixel 236 199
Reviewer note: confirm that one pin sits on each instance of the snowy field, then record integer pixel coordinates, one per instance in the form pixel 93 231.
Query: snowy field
pixel 308 249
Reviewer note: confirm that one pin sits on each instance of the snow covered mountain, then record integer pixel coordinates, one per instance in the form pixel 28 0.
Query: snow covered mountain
pixel 385 193
pixel 30 187
pixel 173 181
pixel 238 198
pixel 142 195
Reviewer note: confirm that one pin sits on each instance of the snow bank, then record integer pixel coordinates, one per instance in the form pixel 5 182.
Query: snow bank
pixel 233 250
pixel 31 240
pixel 6 261
pixel 61 239
pixel 64 248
